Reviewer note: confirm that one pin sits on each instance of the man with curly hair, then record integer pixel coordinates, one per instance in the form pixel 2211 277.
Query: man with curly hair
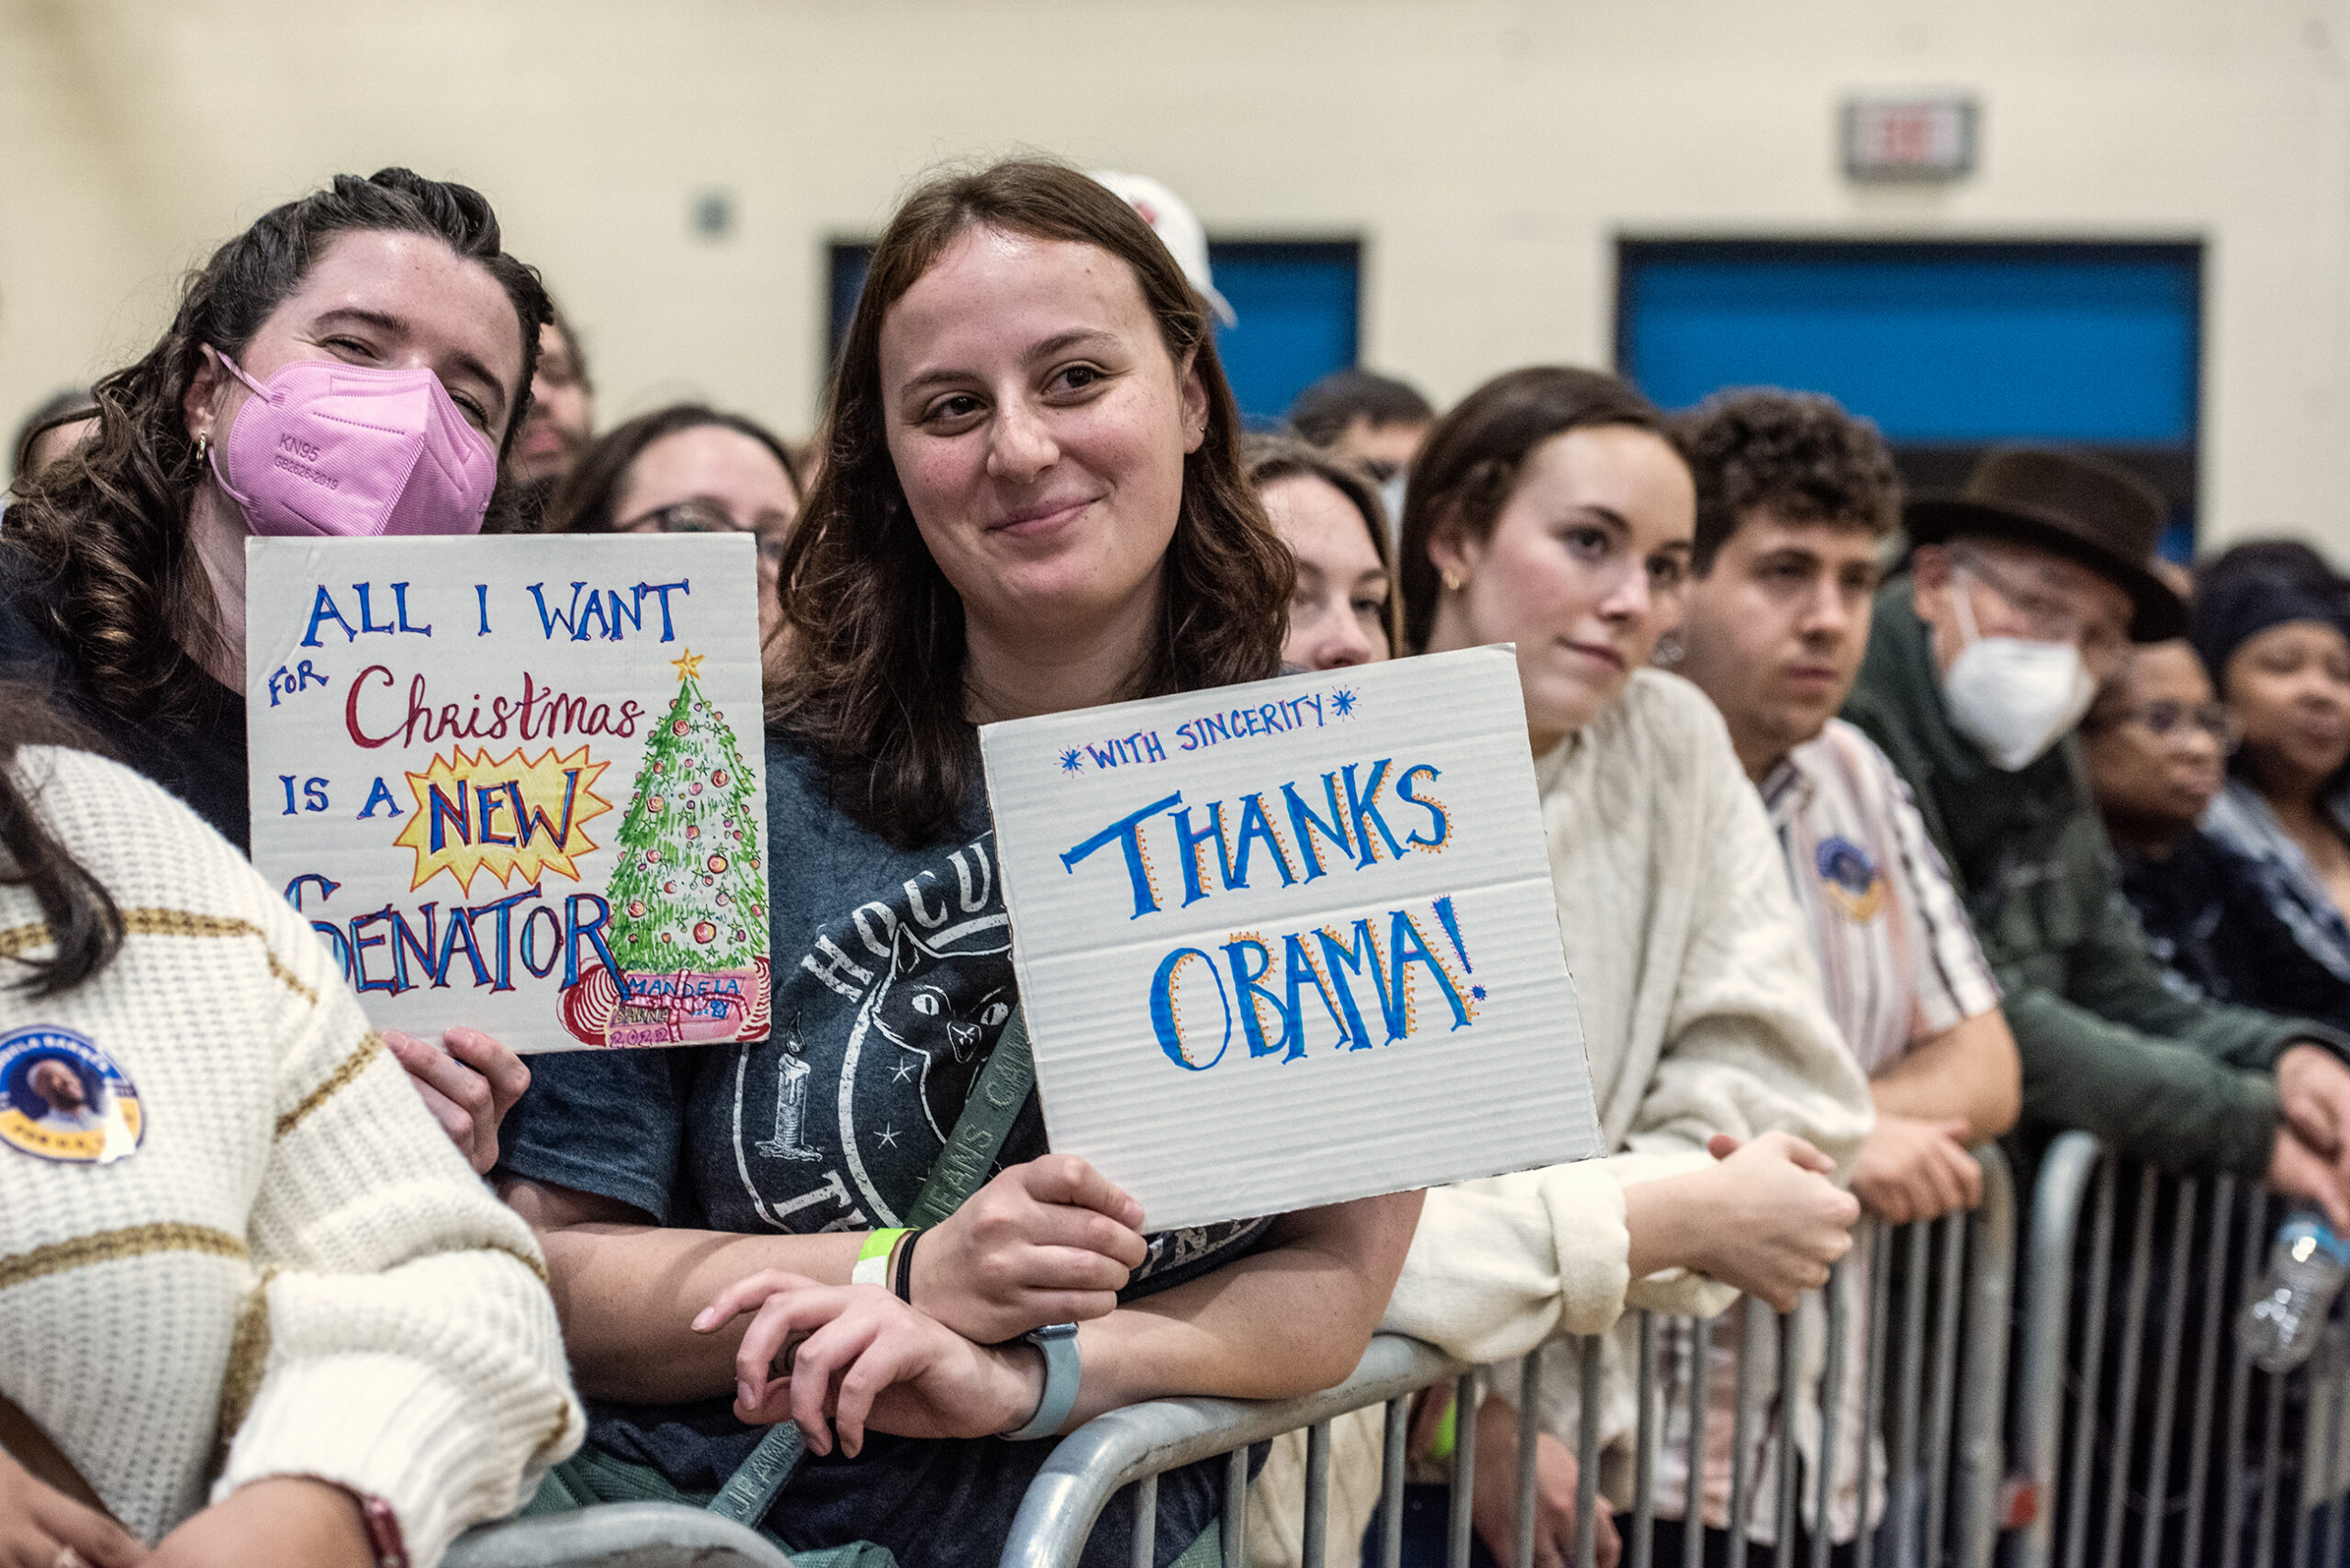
pixel 1796 498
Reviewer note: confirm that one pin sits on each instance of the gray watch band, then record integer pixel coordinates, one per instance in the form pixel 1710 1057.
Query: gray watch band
pixel 1059 1343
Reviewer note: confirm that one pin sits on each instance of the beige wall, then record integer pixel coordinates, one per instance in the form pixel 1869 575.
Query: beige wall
pixel 1488 152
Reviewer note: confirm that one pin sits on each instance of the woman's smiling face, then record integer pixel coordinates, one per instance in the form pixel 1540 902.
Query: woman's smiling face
pixel 1038 426
pixel 1583 570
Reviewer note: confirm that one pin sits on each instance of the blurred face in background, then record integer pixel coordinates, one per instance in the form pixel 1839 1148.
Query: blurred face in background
pixel 1776 628
pixel 712 479
pixel 562 416
pixel 1585 567
pixel 53 443
pixel 2289 691
pixel 1386 450
pixel 2016 590
pixel 2157 745
pixel 1339 615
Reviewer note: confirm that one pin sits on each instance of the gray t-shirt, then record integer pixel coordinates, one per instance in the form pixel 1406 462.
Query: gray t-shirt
pixel 892 980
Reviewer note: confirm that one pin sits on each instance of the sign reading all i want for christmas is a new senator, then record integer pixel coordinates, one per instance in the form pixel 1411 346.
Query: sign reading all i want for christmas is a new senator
pixel 1292 943
pixel 516 783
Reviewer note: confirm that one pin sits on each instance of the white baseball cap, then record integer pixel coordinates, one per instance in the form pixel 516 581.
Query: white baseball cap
pixel 1178 227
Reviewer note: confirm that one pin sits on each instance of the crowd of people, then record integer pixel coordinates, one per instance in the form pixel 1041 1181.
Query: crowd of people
pixel 1879 826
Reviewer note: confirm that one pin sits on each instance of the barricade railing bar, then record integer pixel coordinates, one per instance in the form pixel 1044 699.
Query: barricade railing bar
pixel 2104 1407
pixel 1929 1444
pixel 1941 1464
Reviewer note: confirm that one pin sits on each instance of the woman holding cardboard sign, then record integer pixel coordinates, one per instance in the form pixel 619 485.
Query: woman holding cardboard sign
pixel 1030 501
pixel 384 307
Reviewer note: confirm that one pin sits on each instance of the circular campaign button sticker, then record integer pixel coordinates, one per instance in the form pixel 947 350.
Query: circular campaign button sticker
pixel 61 1098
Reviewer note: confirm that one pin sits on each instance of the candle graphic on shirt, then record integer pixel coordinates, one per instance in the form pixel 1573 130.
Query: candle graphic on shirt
pixel 791 1106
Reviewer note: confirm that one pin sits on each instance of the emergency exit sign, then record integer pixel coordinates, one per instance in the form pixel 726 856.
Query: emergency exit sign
pixel 1913 138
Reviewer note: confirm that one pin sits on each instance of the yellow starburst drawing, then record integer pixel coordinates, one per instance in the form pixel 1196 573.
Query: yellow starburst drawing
pixel 687 665
pixel 504 816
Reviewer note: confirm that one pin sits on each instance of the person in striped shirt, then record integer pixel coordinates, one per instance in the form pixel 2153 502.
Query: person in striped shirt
pixel 1795 498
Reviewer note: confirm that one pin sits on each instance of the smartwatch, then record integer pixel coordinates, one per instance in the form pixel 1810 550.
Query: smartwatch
pixel 1057 1341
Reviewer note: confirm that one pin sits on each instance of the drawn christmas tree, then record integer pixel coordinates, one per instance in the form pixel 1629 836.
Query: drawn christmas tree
pixel 689 892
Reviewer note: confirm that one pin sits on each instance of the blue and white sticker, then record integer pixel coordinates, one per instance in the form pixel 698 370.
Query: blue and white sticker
pixel 1851 878
pixel 61 1098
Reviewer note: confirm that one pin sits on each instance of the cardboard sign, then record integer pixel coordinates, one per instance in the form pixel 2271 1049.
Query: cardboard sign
pixel 516 783
pixel 1292 943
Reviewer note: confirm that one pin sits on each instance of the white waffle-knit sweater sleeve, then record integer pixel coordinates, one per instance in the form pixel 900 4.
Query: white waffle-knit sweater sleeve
pixel 1500 1265
pixel 413 1350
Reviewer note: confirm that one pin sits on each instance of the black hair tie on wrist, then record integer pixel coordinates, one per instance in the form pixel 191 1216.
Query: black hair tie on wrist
pixel 902 1286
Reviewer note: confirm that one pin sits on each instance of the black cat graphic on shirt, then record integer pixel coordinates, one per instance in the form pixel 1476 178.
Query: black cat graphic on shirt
pixel 946 1009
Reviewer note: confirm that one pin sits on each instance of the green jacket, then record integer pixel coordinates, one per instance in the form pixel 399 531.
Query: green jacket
pixel 2105 1044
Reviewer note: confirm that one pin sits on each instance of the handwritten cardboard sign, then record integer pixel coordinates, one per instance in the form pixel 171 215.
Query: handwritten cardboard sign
pixel 1292 943
pixel 516 783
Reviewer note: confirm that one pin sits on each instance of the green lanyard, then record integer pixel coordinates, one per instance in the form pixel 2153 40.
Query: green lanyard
pixel 1003 1087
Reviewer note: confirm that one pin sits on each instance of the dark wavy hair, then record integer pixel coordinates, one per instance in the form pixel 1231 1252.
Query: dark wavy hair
pixel 85 926
pixel 874 681
pixel 1798 453
pixel 106 536
pixel 1468 469
pixel 1265 458
pixel 584 502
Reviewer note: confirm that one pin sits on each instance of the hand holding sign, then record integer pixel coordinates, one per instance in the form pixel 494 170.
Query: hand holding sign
pixel 1294 943
pixel 468 1084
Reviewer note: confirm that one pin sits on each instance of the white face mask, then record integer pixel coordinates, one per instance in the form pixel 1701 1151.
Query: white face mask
pixel 2014 698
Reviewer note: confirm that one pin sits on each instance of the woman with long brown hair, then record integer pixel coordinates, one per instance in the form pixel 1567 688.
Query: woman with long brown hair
pixel 1552 509
pixel 122 571
pixel 123 586
pixel 1030 501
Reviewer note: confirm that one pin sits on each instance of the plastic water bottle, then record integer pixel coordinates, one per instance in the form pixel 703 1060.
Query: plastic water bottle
pixel 2285 1319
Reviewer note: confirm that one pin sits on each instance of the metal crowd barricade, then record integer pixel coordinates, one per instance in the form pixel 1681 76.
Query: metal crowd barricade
pixel 1942 1461
pixel 2129 1398
pixel 618 1535
pixel 1933 1403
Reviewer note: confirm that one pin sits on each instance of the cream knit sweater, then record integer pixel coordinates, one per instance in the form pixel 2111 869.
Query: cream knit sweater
pixel 1702 1014
pixel 296 1274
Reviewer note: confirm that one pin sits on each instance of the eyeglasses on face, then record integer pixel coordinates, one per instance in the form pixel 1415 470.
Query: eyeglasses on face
pixel 2173 722
pixel 701 517
pixel 2051 616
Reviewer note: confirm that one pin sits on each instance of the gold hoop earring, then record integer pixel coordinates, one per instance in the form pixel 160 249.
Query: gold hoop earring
pixel 203 449
pixel 1451 579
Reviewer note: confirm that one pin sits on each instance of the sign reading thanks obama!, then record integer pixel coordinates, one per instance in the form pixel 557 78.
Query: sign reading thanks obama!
pixel 1292 943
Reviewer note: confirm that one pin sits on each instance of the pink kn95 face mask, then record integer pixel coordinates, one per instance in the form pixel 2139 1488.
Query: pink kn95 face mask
pixel 335 449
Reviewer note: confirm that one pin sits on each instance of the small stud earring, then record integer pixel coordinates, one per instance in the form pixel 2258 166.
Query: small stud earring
pixel 1451 579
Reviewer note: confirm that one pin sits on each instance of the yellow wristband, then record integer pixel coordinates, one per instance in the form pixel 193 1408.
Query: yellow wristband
pixel 873 1259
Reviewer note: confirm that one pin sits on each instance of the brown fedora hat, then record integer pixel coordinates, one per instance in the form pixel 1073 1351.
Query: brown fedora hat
pixel 2089 511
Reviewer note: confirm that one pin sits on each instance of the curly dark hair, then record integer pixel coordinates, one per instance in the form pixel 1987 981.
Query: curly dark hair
pixel 104 535
pixel 1799 454
pixel 874 681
